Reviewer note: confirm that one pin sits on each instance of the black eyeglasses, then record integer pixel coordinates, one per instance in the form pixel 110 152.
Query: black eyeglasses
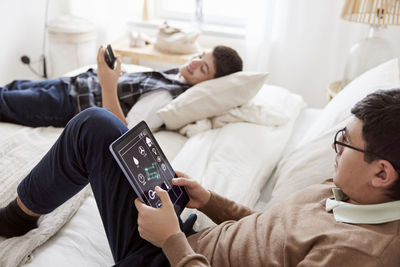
pixel 338 145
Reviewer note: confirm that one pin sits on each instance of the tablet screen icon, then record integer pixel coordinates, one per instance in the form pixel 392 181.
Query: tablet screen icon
pixel 148 141
pixel 152 194
pixel 163 167
pixel 142 151
pixel 152 172
pixel 141 179
pixel 135 160
pixel 165 186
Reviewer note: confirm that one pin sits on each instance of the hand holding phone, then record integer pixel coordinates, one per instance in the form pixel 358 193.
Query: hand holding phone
pixel 110 57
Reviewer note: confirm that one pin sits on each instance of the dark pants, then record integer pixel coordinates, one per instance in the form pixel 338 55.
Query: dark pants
pixel 37 103
pixel 81 156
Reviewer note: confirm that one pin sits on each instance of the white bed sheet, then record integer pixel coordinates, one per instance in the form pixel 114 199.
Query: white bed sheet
pixel 81 242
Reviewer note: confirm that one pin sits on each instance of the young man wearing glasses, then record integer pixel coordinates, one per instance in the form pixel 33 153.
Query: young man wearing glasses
pixel 352 220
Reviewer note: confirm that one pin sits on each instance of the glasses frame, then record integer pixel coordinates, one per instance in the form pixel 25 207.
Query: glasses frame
pixel 335 142
pixel 346 145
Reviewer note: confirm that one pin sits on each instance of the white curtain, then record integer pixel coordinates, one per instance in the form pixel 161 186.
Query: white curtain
pixel 303 44
pixel 109 16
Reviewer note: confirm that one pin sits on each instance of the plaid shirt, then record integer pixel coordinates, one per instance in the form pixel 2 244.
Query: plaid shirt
pixel 86 90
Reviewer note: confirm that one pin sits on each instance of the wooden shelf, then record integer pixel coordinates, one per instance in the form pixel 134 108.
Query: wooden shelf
pixel 148 52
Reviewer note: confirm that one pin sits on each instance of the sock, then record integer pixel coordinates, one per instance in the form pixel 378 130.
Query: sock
pixel 15 222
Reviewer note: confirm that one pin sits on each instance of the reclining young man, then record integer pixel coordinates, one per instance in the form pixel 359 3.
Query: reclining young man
pixel 55 102
pixel 352 220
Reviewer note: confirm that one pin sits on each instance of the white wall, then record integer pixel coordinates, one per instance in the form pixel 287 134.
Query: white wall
pixel 21 31
pixel 109 16
pixel 22 26
pixel 23 23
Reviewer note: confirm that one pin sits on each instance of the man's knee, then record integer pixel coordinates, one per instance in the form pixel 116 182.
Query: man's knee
pixel 98 122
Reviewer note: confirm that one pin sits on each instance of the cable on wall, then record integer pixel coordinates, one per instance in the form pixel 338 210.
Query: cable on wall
pixel 27 61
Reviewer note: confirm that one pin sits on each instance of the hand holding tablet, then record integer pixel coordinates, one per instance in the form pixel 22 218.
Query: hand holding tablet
pixel 145 166
pixel 156 225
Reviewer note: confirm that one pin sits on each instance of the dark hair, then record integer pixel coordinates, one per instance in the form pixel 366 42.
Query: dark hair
pixel 380 114
pixel 226 61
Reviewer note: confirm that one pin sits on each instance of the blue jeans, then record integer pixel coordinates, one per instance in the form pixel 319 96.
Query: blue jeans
pixel 81 156
pixel 37 103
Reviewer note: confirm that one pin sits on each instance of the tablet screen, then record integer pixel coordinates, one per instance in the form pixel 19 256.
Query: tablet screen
pixel 145 166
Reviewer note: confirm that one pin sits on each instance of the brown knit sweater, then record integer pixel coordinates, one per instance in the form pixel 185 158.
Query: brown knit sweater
pixel 296 232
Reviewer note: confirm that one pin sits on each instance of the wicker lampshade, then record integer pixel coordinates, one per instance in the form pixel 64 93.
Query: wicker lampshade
pixel 375 48
pixel 374 12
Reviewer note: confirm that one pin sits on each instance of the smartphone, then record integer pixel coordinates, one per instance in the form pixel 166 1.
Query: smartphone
pixel 110 57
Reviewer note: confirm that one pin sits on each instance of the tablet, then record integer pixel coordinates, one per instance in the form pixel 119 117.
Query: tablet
pixel 145 166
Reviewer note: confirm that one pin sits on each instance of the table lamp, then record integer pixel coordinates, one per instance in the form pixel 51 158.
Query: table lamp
pixel 374 49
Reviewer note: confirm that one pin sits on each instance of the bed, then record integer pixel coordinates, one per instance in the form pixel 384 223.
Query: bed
pixel 251 161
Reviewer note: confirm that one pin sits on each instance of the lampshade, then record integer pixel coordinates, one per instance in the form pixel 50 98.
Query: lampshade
pixel 375 48
pixel 374 12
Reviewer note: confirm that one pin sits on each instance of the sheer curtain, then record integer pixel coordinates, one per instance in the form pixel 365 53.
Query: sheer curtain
pixel 303 44
pixel 108 16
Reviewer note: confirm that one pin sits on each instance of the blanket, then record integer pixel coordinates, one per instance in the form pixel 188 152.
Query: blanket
pixel 19 153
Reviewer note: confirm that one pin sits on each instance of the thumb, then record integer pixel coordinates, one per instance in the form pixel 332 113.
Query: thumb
pixel 138 204
pixel 101 54
pixel 163 195
pixel 118 64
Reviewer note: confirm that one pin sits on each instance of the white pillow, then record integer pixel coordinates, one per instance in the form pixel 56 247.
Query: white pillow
pixel 261 110
pixel 312 160
pixel 308 164
pixel 384 76
pixel 211 98
pixel 257 110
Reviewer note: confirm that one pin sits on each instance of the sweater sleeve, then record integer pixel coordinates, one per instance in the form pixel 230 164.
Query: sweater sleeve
pixel 179 252
pixel 220 209
pixel 342 256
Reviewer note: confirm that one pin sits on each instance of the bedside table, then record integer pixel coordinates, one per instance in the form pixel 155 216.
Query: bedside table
pixel 148 52
pixel 333 89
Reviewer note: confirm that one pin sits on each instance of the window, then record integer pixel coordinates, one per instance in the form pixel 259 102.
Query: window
pixel 221 12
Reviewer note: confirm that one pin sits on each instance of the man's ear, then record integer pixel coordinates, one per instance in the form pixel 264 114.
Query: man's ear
pixel 385 174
